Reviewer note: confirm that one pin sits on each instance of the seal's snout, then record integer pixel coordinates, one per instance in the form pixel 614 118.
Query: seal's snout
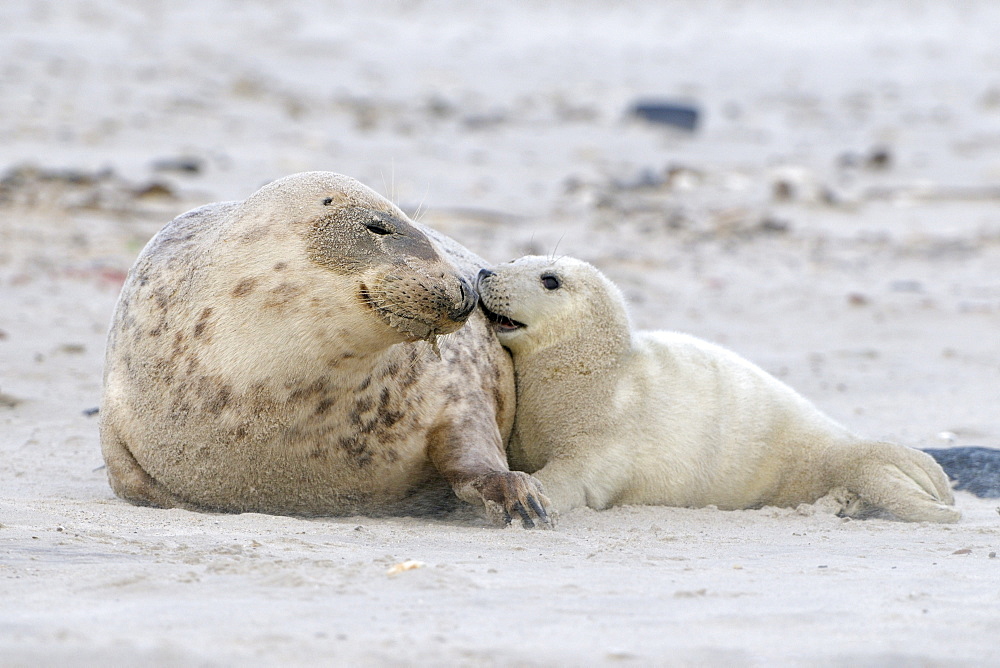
pixel 467 302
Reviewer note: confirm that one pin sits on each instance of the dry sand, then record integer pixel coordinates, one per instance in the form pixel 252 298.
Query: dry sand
pixel 869 279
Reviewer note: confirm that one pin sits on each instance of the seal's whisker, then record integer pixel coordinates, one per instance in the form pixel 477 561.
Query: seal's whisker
pixel 392 180
pixel 374 295
pixel 421 212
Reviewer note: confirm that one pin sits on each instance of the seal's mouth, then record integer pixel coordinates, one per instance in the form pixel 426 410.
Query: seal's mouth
pixel 414 324
pixel 500 322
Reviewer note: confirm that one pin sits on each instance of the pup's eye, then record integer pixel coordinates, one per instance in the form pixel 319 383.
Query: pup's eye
pixel 377 229
pixel 328 201
pixel 550 282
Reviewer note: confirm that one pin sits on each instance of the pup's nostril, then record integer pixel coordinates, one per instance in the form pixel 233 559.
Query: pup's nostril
pixel 481 278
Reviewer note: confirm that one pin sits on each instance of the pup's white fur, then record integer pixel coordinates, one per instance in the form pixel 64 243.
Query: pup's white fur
pixel 608 416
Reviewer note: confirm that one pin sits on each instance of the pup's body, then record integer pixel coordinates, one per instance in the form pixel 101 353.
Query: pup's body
pixel 609 416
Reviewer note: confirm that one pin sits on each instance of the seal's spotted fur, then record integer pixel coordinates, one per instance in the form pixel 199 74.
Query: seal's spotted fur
pixel 304 352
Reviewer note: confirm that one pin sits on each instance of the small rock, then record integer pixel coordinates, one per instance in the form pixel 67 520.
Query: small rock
pixel 783 190
pixel 879 158
pixel 8 401
pixel 774 225
pixel 438 106
pixel 697 593
pixel 183 164
pixel 153 189
pixel 484 121
pixel 663 112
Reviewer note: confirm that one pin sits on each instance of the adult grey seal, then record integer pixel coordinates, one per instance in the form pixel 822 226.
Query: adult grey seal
pixel 311 351
pixel 607 415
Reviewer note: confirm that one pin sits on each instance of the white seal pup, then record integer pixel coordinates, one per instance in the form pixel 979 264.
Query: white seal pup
pixel 303 352
pixel 608 416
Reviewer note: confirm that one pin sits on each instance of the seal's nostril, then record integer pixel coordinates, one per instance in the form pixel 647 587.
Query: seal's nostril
pixel 469 293
pixel 468 301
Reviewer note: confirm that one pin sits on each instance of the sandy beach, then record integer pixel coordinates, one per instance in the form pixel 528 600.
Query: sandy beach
pixel 834 217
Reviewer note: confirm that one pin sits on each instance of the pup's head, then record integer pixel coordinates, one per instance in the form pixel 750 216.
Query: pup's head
pixel 535 302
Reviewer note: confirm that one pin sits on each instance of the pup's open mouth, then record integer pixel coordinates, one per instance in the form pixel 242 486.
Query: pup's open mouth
pixel 501 322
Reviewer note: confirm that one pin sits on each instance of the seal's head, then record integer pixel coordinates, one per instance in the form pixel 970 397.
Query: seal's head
pixel 536 302
pixel 393 269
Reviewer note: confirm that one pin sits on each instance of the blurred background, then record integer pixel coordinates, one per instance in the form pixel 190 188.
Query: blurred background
pixel 496 105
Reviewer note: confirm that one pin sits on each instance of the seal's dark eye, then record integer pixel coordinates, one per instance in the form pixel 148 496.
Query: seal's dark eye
pixel 377 229
pixel 328 201
pixel 550 282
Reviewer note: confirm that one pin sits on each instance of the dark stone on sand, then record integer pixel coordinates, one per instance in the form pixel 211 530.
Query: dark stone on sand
pixel 182 164
pixel 154 189
pixel 9 401
pixel 879 157
pixel 662 112
pixel 21 176
pixel 974 469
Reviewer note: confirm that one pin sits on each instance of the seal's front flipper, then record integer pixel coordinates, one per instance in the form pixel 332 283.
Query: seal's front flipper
pixel 471 459
pixel 974 469
pixel 507 494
